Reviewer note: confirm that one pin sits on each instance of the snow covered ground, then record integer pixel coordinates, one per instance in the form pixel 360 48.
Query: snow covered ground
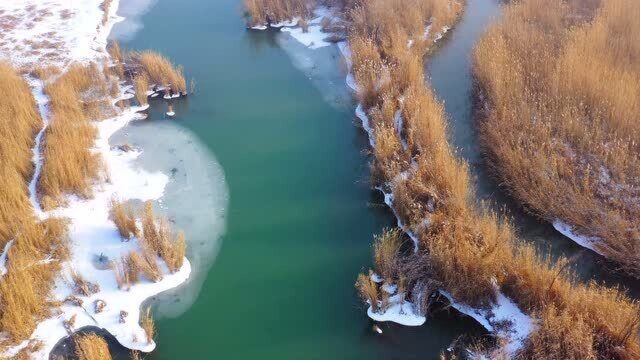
pixel 54 32
pixel 584 241
pixel 59 32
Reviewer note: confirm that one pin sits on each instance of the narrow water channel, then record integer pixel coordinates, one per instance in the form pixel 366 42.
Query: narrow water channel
pixel 271 129
pixel 449 73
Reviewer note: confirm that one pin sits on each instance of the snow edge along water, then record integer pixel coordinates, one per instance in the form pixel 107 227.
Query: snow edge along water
pixel 92 234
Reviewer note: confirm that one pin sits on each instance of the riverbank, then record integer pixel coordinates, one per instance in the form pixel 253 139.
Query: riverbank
pixel 85 293
pixel 424 179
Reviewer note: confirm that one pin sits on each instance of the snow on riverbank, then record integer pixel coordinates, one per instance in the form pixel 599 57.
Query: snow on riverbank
pixel 313 37
pixel 584 241
pixel 504 319
pixel 77 32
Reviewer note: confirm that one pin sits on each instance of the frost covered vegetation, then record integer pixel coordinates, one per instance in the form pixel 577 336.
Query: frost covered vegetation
pixel 560 83
pixel 462 248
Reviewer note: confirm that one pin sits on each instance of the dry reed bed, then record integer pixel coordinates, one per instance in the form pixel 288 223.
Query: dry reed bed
pixel 156 241
pixel 19 122
pixel 69 166
pixel 38 247
pixel 463 248
pixel 560 126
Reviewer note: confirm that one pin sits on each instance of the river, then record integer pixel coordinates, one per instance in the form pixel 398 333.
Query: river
pixel 286 178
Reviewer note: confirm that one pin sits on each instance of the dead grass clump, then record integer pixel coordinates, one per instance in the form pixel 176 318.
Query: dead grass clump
pixel 262 12
pixel 126 272
pixel 91 347
pixel 145 263
pixel 148 325
pixel 563 75
pixel 368 291
pixel 157 237
pixel 386 252
pixel 45 72
pixel 160 70
pixel 123 217
pixel 141 85
pixel 82 286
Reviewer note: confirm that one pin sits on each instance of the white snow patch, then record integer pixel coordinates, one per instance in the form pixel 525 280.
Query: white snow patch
pixel 3 258
pixel 504 319
pixel 398 311
pixel 582 240
pixel 55 32
pixel 389 288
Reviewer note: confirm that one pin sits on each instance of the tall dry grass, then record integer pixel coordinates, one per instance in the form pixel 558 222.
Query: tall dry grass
pixel 157 237
pixel 261 12
pixel 19 122
pixel 33 262
pixel 91 347
pixel 463 248
pixel 160 71
pixel 38 247
pixel 124 218
pixel 141 86
pixel 69 165
pixel 148 325
pixel 561 84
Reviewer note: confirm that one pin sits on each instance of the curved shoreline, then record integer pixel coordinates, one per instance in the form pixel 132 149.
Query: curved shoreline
pixel 92 233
